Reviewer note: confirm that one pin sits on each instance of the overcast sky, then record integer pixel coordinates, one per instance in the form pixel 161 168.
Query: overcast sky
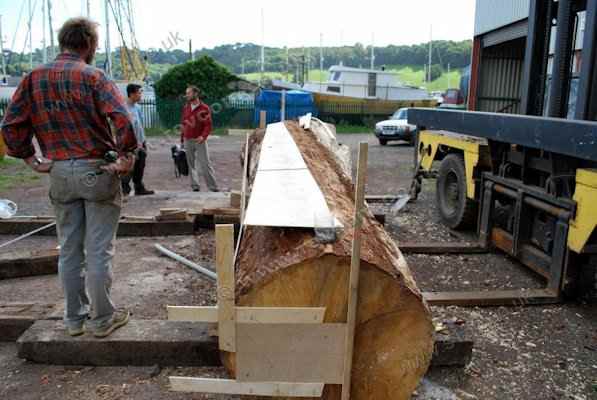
pixel 293 24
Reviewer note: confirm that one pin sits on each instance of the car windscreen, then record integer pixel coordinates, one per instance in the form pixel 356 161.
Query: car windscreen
pixel 400 114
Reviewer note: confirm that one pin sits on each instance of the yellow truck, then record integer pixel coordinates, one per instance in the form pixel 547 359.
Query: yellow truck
pixel 521 165
pixel 527 184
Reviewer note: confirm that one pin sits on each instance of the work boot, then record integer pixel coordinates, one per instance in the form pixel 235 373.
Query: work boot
pixel 142 191
pixel 76 331
pixel 119 318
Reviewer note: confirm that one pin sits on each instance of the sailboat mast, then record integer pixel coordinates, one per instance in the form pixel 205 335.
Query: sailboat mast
pixel 2 49
pixel 51 29
pixel 108 48
pixel 262 47
pixel 321 62
pixel 430 52
pixel 44 50
pixel 373 51
pixel 30 36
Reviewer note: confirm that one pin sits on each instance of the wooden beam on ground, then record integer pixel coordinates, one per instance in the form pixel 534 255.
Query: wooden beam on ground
pixel 355 268
pixel 139 343
pixel 227 386
pixel 202 221
pixel 381 218
pixel 151 342
pixel 16 318
pixel 28 263
pixel 126 228
pixel 224 211
pixel 235 199
pixel 492 298
pixel 172 214
pixel 225 287
pixel 442 248
pixel 131 226
pixel 255 315
pixel 371 199
pixel 453 346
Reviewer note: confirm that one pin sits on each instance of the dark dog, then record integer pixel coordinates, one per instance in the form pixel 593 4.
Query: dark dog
pixel 180 161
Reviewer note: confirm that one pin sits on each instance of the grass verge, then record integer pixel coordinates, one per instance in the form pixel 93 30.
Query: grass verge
pixel 14 173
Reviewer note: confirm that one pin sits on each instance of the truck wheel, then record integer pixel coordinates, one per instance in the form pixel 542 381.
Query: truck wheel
pixel 456 210
pixel 383 142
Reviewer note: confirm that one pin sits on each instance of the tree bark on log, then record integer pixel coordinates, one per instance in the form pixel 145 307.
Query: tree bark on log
pixel 287 267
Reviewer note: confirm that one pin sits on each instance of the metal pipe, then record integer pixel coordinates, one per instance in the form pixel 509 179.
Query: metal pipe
pixel 195 267
pixel 43 228
pixel 533 202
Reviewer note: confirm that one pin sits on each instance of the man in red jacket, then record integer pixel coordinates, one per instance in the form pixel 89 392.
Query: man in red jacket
pixel 196 127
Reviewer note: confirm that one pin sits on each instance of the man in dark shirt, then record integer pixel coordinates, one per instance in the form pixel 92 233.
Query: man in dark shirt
pixel 134 94
pixel 66 105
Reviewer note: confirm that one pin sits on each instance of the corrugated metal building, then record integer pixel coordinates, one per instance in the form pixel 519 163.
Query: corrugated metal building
pixel 500 34
pixel 494 14
pixel 497 68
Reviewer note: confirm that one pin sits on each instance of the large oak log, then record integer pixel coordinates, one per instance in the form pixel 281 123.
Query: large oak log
pixel 290 268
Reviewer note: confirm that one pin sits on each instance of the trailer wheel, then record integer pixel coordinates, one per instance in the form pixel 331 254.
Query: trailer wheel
pixel 456 210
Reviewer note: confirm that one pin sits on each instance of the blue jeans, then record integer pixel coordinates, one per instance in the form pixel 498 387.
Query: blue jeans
pixel 87 203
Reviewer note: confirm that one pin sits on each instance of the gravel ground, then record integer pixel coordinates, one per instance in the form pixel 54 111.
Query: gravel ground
pixel 520 353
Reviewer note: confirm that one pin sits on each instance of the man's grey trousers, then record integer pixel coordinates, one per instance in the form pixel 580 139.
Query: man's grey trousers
pixel 199 163
pixel 87 203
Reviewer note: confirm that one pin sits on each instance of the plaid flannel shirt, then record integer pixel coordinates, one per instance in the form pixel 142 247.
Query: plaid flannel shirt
pixel 66 105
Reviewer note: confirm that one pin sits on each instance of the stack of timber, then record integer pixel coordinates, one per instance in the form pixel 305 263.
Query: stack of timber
pixel 290 267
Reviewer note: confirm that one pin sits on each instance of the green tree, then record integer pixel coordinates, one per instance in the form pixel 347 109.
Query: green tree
pixel 436 71
pixel 212 79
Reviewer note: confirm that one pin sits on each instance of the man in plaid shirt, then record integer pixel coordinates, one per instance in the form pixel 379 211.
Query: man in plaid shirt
pixel 66 105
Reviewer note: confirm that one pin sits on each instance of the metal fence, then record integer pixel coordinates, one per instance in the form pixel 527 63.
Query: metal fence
pixel 240 114
pixel 166 113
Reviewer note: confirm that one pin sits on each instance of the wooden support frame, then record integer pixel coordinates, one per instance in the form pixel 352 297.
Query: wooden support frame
pixel 229 386
pixel 279 351
pixel 355 266
pixel 250 315
pixel 225 271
